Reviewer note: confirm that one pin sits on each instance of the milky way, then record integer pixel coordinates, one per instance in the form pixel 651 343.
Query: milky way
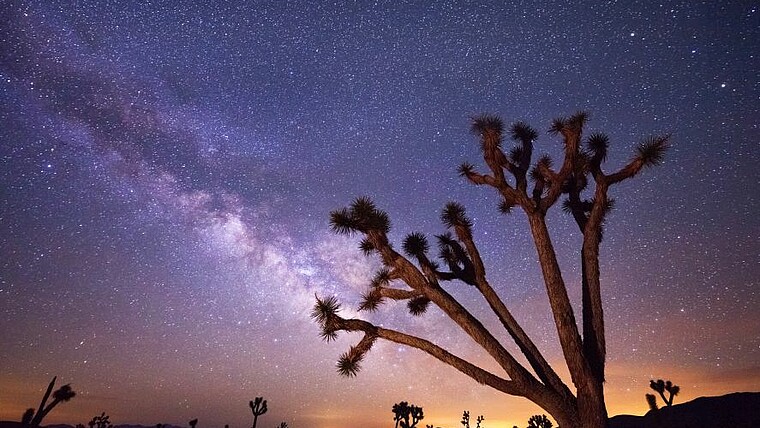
pixel 167 171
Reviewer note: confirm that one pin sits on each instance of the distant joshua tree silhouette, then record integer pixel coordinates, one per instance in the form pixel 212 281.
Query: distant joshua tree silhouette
pixel 61 395
pixel 414 277
pixel 193 423
pixel 539 421
pixel 403 411
pixel 652 401
pixel 283 425
pixel 101 421
pixel 466 420
pixel 258 407
pixel 660 386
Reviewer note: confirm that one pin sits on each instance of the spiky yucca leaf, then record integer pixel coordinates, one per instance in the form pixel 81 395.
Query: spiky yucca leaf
pixel 652 150
pixel 465 169
pixel 486 124
pixel 415 244
pixel 367 216
pixel 521 131
pixel 418 305
pixel 535 174
pixel 327 333
pixel 363 207
pixel 366 247
pixel 325 309
pixel 342 222
pixel 558 125
pixel 567 206
pixel 371 300
pixel 454 215
pixel 597 145
pixel 349 363
pixel 579 119
pixel 361 216
pixel 505 207
pixel 545 161
pixel 382 277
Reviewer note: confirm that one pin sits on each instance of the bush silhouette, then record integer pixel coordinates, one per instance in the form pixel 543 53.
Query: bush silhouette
pixel 403 412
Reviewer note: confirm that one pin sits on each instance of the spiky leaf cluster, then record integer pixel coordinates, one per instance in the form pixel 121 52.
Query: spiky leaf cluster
pixel 487 124
pixel 418 305
pixel 325 313
pixel 371 300
pixel 596 147
pixel 454 215
pixel 349 362
pixel 362 216
pixel 652 151
pixel 539 421
pixel 416 245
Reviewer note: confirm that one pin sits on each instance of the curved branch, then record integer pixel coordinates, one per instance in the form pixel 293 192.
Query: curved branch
pixel 478 374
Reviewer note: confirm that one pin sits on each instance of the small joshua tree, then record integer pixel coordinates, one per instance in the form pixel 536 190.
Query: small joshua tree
pixel 61 395
pixel 258 407
pixel 193 423
pixel 283 425
pixel 101 421
pixel 652 401
pixel 403 411
pixel 661 387
pixel 466 419
pixel 539 421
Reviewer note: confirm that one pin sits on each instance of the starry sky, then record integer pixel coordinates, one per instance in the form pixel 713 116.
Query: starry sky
pixel 167 170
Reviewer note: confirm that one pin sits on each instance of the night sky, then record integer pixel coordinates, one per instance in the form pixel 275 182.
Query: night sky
pixel 167 170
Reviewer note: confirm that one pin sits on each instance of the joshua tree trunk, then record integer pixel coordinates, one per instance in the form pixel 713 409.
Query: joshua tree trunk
pixel 584 355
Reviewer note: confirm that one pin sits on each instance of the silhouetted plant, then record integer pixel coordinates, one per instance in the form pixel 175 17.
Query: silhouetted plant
pixel 193 423
pixel 283 425
pixel 652 401
pixel 661 386
pixel 510 174
pixel 26 419
pixel 61 395
pixel 403 412
pixel 101 421
pixel 466 420
pixel 258 407
pixel 539 421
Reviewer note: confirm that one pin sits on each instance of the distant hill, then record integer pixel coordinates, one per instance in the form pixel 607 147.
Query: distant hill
pixel 737 410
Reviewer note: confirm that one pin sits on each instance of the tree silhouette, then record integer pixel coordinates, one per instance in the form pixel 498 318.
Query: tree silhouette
pixel 466 420
pixel 403 412
pixel 651 401
pixel 539 421
pixel 258 407
pixel 62 394
pixel 101 421
pixel 193 423
pixel 509 175
pixel 660 386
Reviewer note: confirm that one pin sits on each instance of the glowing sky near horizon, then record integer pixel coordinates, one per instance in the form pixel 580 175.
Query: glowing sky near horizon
pixel 167 170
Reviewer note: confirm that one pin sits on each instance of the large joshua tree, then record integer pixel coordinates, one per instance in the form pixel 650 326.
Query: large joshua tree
pixel 584 185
